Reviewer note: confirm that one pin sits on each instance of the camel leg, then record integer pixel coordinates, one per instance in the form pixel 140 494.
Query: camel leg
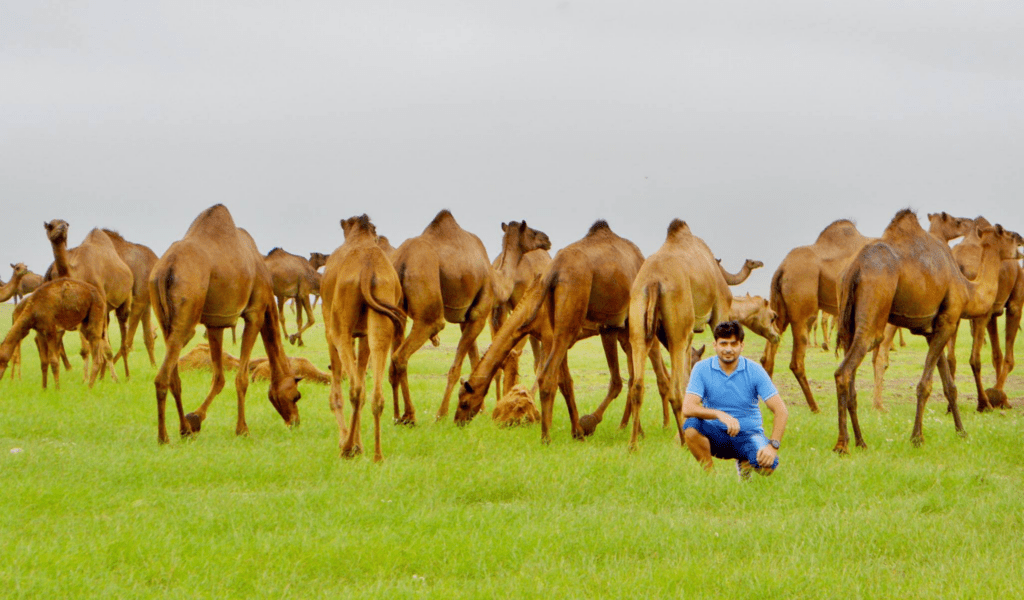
pixel 83 345
pixel 249 334
pixel 470 330
pixel 951 350
pixel 979 328
pixel 814 329
pixel 421 331
pixel 349 444
pixel 148 336
pixel 623 338
pixel 281 300
pixel 880 360
pixel 45 358
pixel 796 364
pixel 1013 318
pixel 944 326
pixel 123 313
pixel 215 337
pixel 379 334
pixel 611 356
pixel 949 389
pixel 639 350
pixel 845 376
pixel 310 319
pixel 903 343
pixel 663 378
pixel 338 374
pixel 63 353
pixel 101 357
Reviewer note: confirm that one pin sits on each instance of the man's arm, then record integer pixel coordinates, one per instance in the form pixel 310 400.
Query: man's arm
pixel 692 407
pixel 780 414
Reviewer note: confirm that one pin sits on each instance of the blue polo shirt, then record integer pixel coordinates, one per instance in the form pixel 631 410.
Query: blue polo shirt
pixel 735 394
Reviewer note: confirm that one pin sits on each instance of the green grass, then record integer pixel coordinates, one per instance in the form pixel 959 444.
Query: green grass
pixel 92 506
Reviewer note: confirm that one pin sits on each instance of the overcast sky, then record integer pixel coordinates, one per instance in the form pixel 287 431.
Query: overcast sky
pixel 758 123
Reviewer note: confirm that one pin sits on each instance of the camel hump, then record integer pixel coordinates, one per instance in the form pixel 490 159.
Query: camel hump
pixel 98 236
pixel 836 231
pixel 443 219
pixel 114 236
pixel 905 221
pixel 215 220
pixel 599 226
pixel 677 225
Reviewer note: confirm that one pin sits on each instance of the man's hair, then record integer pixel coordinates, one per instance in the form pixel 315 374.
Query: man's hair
pixel 728 329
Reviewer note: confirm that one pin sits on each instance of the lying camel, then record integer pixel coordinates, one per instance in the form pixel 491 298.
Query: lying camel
pixel 94 261
pixel 361 294
pixel 909 278
pixel 198 358
pixel 293 277
pixel 60 305
pixel 445 276
pixel 140 259
pixel 303 368
pixel 9 289
pixel 587 282
pixel 213 276
pixel 29 283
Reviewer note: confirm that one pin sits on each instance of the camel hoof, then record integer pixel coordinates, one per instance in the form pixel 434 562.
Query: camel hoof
pixel 352 452
pixel 409 420
pixel 997 398
pixel 962 433
pixel 195 423
pixel 588 423
pixel 841 450
pixel 982 408
pixel 824 347
pixel 917 440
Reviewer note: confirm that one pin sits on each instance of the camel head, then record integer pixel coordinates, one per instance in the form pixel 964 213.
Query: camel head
pixel 19 269
pixel 527 239
pixel 750 264
pixel 57 231
pixel 757 316
pixel 1004 240
pixel 696 355
pixel 354 226
pixel 284 394
pixel 948 226
pixel 471 400
pixel 317 260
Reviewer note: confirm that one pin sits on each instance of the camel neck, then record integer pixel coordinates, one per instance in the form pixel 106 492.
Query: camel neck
pixel 736 279
pixel 982 290
pixel 8 289
pixel 60 258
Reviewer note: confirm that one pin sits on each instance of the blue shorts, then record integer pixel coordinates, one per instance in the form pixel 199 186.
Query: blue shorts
pixel 743 446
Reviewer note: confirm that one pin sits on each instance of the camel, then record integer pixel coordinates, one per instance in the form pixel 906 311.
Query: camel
pixel 213 276
pixel 806 282
pixel 910 279
pixel 9 289
pixel 317 260
pixel 587 284
pixel 140 259
pixel 29 283
pixel 361 294
pixel 295 278
pixel 968 255
pixel 199 358
pixel 445 276
pixel 738 278
pixel 94 261
pixel 259 368
pixel 56 306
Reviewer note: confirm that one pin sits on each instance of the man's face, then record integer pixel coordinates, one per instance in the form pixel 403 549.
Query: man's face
pixel 728 349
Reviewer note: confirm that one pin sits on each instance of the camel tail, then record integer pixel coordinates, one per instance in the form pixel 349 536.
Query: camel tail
pixel 776 300
pixel 163 296
pixel 846 324
pixel 653 291
pixel 526 312
pixel 397 315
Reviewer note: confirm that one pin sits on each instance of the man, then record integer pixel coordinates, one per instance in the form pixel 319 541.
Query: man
pixel 723 419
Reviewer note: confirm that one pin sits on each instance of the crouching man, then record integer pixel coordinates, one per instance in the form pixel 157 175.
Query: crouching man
pixel 723 418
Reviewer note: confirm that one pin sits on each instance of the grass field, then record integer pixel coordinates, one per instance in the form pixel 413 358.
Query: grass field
pixel 92 506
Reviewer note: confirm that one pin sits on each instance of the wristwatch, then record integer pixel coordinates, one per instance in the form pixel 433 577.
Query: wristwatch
pixel 775 443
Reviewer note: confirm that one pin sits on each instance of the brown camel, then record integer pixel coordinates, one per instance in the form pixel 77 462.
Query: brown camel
pixel 968 255
pixel 294 278
pixel 361 295
pixel 140 259
pixel 94 261
pixel 213 276
pixel 909 278
pixel 303 368
pixel 317 260
pixel 29 283
pixel 445 276
pixel 588 282
pixel 56 306
pixel 738 278
pixel 9 289
pixel 806 282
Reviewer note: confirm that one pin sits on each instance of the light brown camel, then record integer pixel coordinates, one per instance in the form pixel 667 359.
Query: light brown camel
pixel 56 306
pixel 317 260
pixel 213 276
pixel 587 284
pixel 294 278
pixel 909 278
pixel 361 294
pixel 738 278
pixel 968 255
pixel 9 289
pixel 303 368
pixel 806 282
pixel 96 262
pixel 29 283
pixel 445 276
pixel 140 259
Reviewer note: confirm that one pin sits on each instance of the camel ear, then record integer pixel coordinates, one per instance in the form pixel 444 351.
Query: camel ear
pixel 467 387
pixel 522 225
pixel 504 227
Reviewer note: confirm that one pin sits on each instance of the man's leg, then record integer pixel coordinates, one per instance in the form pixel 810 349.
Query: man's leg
pixel 700 447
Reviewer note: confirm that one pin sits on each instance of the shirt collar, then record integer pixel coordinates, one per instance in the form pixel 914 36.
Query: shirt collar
pixel 716 364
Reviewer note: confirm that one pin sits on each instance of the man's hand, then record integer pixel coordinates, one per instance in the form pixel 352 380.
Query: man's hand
pixel 732 425
pixel 766 456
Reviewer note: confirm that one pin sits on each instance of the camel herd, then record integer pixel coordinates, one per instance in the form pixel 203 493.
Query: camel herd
pixel 600 285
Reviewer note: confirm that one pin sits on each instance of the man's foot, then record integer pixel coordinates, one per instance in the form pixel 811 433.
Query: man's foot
pixel 743 470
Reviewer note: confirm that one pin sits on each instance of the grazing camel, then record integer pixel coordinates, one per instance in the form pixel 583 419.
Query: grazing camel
pixel 587 283
pixel 294 278
pixel 94 261
pixel 968 255
pixel 738 278
pixel 29 283
pixel 213 276
pixel 56 306
pixel 909 278
pixel 140 259
pixel 756 314
pixel 9 289
pixel 445 276
pixel 361 294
